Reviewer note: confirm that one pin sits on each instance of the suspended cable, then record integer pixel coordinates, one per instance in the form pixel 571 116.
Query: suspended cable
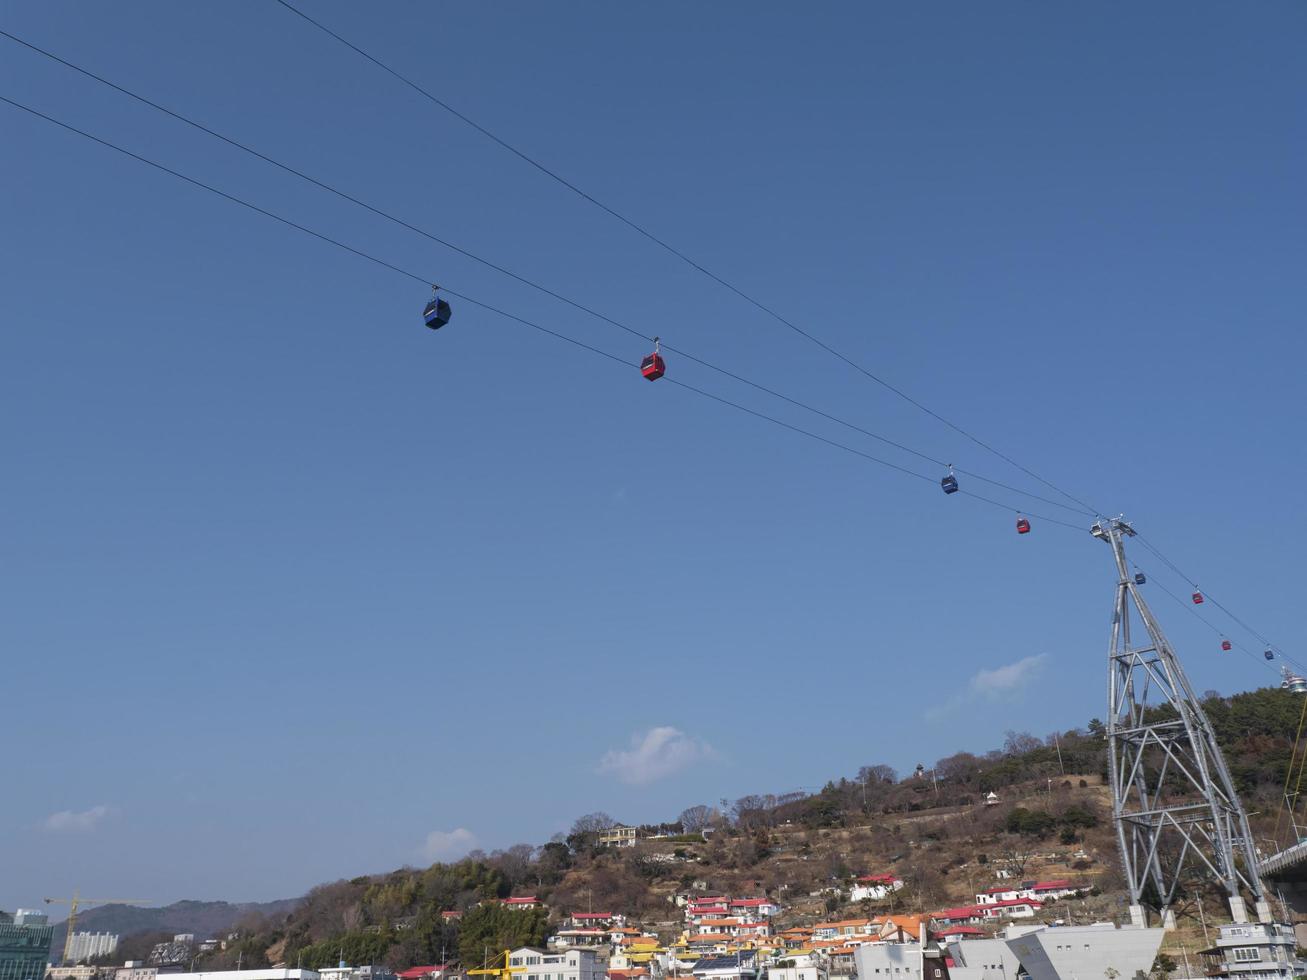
pixel 1207 596
pixel 491 308
pixel 244 147
pixel 1288 775
pixel 1152 580
pixel 662 243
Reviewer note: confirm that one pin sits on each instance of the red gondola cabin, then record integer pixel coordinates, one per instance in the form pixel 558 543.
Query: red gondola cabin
pixel 1198 598
pixel 652 367
pixel 1226 645
pixel 1023 526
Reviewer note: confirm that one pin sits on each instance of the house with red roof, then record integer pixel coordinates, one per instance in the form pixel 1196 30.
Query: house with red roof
pixel 434 972
pixel 745 907
pixel 874 887
pixel 963 915
pixel 1049 891
pixel 1017 908
pixel 595 920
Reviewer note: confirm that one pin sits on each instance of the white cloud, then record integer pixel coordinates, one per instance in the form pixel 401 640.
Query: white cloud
pixel 654 754
pixel 1008 678
pixel 76 820
pixel 992 684
pixel 442 845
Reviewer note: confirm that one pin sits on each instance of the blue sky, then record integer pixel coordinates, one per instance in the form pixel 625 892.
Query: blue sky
pixel 297 589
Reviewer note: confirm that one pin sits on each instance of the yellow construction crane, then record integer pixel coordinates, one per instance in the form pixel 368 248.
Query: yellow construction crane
pixel 504 972
pixel 77 902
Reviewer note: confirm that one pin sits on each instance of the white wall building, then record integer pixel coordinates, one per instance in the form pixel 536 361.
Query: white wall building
pixel 983 959
pixel 575 964
pixel 890 961
pixel 1077 952
pixel 1253 951
pixel 804 968
pixel 134 970
pixel 273 974
pixel 85 946
pixel 874 887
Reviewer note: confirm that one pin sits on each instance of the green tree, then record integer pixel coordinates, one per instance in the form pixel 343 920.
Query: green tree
pixel 496 927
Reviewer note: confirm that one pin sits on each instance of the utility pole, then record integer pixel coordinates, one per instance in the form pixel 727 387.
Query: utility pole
pixel 1173 801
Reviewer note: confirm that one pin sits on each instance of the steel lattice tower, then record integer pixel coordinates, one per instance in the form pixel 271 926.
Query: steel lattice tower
pixel 1173 803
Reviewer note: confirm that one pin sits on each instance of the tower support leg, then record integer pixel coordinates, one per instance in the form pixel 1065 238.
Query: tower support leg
pixel 1238 910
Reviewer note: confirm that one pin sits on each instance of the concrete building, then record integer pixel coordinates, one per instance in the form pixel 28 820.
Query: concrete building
pixel 24 944
pixel 574 964
pixel 804 967
pixel 83 946
pixel 272 974
pixel 983 959
pixel 135 970
pixel 1253 951
pixel 891 961
pixel 737 966
pixel 1079 952
pixel 81 972
pixel 619 836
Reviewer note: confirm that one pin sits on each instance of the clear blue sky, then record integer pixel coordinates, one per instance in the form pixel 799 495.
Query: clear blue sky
pixel 296 589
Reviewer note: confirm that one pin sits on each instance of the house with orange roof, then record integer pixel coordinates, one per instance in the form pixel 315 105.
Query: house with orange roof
pixel 901 929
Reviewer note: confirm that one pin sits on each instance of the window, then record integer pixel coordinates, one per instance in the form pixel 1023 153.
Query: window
pixel 1247 954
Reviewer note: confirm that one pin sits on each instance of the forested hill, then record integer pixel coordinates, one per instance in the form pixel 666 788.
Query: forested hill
pixel 928 827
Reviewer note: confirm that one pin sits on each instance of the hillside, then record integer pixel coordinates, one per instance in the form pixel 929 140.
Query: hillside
pixel 204 919
pixel 935 829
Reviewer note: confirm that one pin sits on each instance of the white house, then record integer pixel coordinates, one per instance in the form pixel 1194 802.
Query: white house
pixel 874 887
pixel 805 967
pixel 737 966
pixel 575 964
pixel 1017 908
pixel 753 908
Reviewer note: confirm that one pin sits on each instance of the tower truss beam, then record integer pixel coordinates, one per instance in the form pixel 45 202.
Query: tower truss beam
pixel 1174 806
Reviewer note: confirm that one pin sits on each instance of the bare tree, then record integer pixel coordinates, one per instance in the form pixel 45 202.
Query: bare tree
pixel 593 823
pixel 879 773
pixel 693 819
pixel 1019 743
pixel 1015 855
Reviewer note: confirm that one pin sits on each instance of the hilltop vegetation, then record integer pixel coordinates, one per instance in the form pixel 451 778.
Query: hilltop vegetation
pixel 932 828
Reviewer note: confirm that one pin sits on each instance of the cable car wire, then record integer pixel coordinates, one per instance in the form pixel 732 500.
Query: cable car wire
pixel 395 219
pixel 1189 607
pixel 1083 507
pixel 662 243
pixel 497 310
pixel 595 350
pixel 1214 601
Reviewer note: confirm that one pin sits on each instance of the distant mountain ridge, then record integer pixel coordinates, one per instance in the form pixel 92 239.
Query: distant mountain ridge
pixel 205 919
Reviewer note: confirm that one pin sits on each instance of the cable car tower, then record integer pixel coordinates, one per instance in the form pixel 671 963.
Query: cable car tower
pixel 1173 803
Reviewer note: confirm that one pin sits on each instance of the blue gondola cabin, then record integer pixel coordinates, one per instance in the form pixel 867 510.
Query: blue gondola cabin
pixel 437 313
